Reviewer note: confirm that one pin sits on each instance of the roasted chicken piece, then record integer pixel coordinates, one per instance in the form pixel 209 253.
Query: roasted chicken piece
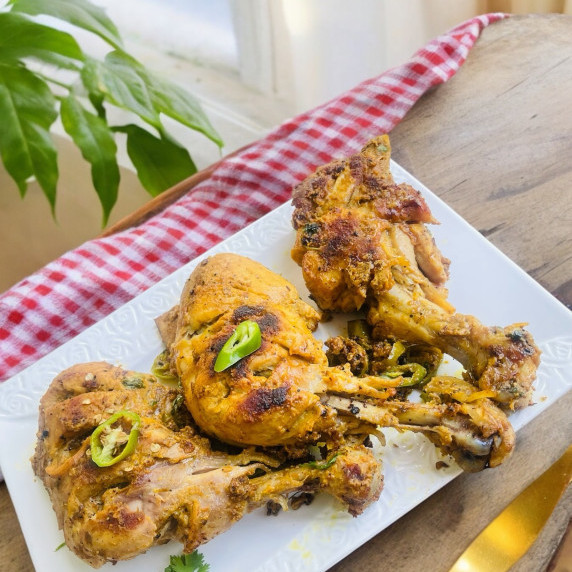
pixel 348 215
pixel 361 241
pixel 272 397
pixel 456 417
pixel 285 394
pixel 173 485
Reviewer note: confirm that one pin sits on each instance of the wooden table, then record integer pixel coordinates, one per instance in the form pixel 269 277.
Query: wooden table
pixel 495 143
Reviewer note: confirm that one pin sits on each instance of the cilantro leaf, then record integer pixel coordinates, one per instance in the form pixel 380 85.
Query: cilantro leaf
pixel 194 562
pixel 321 465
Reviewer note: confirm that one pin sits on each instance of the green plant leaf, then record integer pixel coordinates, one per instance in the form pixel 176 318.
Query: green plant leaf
pixel 97 102
pixel 160 163
pixel 175 102
pixel 23 38
pixel 118 80
pixel 126 83
pixel 27 109
pixel 97 145
pixel 80 13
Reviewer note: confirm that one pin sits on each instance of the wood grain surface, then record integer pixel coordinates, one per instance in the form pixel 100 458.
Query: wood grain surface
pixel 495 142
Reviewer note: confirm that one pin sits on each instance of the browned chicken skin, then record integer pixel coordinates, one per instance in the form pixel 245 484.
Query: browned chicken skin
pixel 173 485
pixel 361 241
pixel 285 394
pixel 272 397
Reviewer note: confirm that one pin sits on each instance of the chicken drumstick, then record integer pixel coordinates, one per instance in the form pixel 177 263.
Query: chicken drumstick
pixel 361 240
pixel 172 485
pixel 283 393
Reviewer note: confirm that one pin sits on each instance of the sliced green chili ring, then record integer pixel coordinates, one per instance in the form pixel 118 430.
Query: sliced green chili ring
pixel 104 440
pixel 358 330
pixel 245 340
pixel 417 371
pixel 428 356
pixel 397 351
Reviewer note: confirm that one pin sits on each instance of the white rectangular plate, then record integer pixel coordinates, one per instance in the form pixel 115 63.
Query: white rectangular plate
pixel 484 283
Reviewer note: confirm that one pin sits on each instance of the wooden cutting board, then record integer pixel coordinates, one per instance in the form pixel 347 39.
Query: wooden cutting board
pixel 495 143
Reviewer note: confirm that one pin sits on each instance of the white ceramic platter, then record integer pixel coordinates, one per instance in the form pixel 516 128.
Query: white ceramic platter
pixel 483 282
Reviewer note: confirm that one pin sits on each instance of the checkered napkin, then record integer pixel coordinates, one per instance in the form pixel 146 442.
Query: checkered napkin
pixel 86 284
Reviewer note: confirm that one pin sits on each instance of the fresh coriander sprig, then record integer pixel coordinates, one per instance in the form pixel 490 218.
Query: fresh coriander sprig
pixel 193 562
pixel 33 96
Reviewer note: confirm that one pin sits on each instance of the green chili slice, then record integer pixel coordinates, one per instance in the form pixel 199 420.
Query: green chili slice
pixel 397 351
pixel 321 465
pixel 160 368
pixel 115 439
pixel 428 356
pixel 417 371
pixel 245 340
pixel 358 330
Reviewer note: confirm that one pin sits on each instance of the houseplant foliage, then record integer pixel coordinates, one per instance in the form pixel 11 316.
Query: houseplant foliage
pixel 46 75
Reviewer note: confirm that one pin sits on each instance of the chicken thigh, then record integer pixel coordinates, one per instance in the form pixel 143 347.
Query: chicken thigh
pixel 173 484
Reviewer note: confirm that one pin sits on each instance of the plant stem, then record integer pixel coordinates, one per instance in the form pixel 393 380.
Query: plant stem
pixel 54 81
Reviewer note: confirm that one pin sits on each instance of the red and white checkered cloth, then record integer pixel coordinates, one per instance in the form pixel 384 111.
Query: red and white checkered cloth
pixel 81 287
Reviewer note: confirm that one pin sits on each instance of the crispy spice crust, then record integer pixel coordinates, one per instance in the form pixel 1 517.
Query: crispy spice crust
pixel 361 180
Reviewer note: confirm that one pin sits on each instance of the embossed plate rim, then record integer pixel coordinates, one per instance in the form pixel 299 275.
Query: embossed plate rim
pixel 315 537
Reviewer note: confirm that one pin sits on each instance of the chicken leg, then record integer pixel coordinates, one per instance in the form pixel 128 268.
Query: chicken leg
pixel 173 485
pixel 362 241
pixel 284 393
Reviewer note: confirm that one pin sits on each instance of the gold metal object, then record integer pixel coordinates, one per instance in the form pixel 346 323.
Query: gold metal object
pixel 507 538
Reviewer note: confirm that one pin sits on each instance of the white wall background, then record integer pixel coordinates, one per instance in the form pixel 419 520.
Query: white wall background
pixel 295 53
